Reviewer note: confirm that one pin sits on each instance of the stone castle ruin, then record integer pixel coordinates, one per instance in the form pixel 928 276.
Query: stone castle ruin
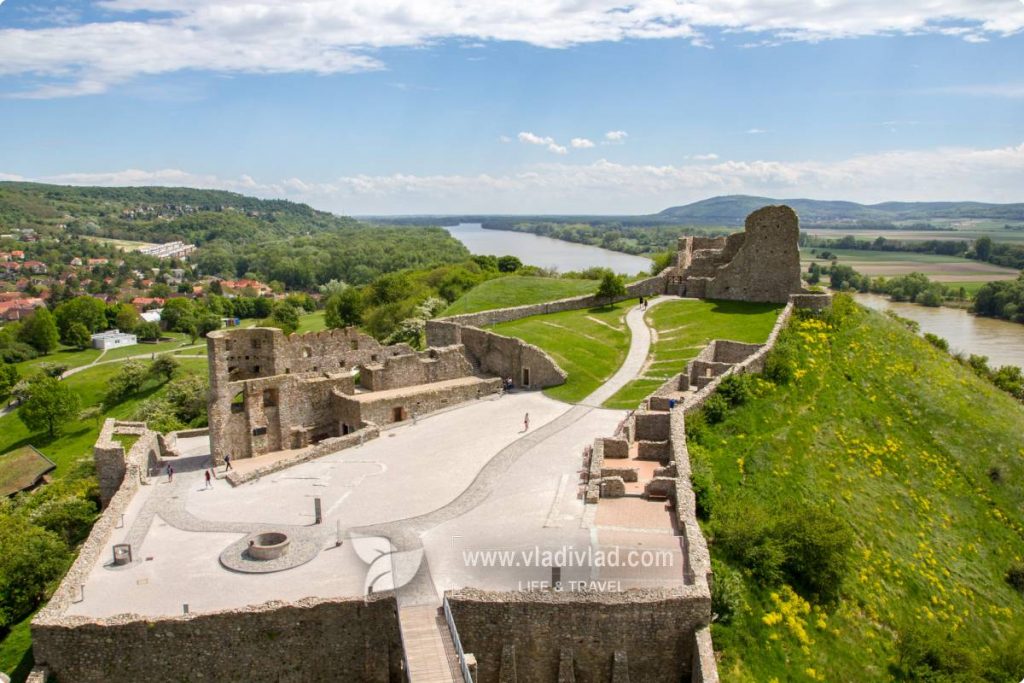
pixel 762 263
pixel 278 401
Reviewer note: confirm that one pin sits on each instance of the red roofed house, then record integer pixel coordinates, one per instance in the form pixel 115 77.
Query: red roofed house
pixel 141 303
pixel 19 308
pixel 37 267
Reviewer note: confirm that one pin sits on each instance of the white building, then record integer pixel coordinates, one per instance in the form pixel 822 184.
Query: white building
pixel 112 339
pixel 152 316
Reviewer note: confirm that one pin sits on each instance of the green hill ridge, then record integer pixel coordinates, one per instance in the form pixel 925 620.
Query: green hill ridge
pixel 923 464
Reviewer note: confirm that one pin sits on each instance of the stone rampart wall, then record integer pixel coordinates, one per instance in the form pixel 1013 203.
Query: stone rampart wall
pixel 652 628
pixel 433 365
pixel 311 640
pixel 495 354
pixel 651 286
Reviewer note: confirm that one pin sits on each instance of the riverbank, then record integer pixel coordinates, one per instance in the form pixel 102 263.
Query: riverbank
pixel 1000 340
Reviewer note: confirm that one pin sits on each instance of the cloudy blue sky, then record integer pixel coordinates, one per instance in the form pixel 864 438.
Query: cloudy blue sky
pixel 505 106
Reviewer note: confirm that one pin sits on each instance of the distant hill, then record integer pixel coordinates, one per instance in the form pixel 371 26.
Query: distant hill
pixel 158 213
pixel 733 209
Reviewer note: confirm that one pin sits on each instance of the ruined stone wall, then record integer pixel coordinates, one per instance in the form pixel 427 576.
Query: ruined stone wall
pixel 257 359
pixel 652 627
pixel 502 356
pixel 432 365
pixel 766 266
pixel 651 286
pixel 111 461
pixel 311 640
pixel 380 408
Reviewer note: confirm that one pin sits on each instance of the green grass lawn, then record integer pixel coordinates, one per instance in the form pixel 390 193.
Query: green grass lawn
pixel 518 291
pixel 77 437
pixel 921 458
pixel 589 344
pixel 880 256
pixel 682 328
pixel 311 322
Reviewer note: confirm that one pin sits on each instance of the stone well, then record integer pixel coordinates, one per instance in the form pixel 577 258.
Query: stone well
pixel 268 545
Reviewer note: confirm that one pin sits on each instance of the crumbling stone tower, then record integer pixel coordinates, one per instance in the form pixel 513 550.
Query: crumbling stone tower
pixel 762 263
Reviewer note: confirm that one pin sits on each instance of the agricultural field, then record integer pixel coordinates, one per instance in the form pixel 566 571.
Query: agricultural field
pixel 997 233
pixel 878 429
pixel 589 344
pixel 947 269
pixel 124 245
pixel 516 290
pixel 681 328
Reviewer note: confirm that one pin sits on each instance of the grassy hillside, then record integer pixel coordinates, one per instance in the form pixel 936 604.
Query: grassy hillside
pixel 920 461
pixel 518 291
pixel 589 344
pixel 682 328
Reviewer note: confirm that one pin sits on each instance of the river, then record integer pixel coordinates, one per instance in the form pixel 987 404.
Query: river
pixel 1001 341
pixel 545 252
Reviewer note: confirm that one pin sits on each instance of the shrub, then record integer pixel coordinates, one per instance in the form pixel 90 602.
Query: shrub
pixel 702 478
pixel 936 341
pixel 1015 576
pixel 69 516
pixel 780 365
pixel 926 652
pixel 807 546
pixel 715 408
pixel 126 382
pixel 727 593
pixel 735 389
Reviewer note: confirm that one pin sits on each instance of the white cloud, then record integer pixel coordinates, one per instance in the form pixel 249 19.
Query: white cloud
pixel 531 139
pixel 704 157
pixel 756 131
pixel 150 37
pixel 616 135
pixel 607 187
pixel 549 142
pixel 581 143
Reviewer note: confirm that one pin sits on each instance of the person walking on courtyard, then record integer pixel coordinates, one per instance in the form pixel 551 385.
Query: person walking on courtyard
pixel 526 422
pixel 208 484
pixel 170 473
pixel 227 462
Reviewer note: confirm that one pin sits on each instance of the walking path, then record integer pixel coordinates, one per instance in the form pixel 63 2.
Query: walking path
pixel 632 367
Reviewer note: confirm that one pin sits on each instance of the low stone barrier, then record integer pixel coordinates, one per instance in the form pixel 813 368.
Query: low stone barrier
pixel 325 447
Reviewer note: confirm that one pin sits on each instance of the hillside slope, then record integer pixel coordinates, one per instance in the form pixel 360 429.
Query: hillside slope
pixel 733 209
pixel 923 464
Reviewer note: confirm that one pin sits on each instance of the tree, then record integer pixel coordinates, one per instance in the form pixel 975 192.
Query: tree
pixel 148 331
pixel 164 366
pixel 983 248
pixel 32 557
pixel 40 331
pixel 49 403
pixel 611 287
pixel 78 336
pixel 126 382
pixel 87 310
pixel 206 323
pixel 283 316
pixel 8 378
pixel 509 264
pixel 125 317
pixel 343 309
pixel 175 311
pixel 188 397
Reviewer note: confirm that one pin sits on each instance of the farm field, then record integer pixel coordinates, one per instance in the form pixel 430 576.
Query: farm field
pixel 681 328
pixel 883 430
pixel 516 290
pixel 889 263
pixel 997 235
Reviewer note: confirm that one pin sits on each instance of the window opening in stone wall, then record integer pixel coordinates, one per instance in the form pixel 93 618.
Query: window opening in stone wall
pixel 270 398
pixel 238 403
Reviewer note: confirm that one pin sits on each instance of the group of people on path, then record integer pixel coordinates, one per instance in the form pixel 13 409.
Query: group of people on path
pixel 643 303
pixel 208 473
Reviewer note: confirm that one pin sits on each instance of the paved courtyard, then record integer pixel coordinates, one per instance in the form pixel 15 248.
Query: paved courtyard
pixel 425 507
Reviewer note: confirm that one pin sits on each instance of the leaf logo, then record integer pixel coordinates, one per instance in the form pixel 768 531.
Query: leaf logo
pixel 388 568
